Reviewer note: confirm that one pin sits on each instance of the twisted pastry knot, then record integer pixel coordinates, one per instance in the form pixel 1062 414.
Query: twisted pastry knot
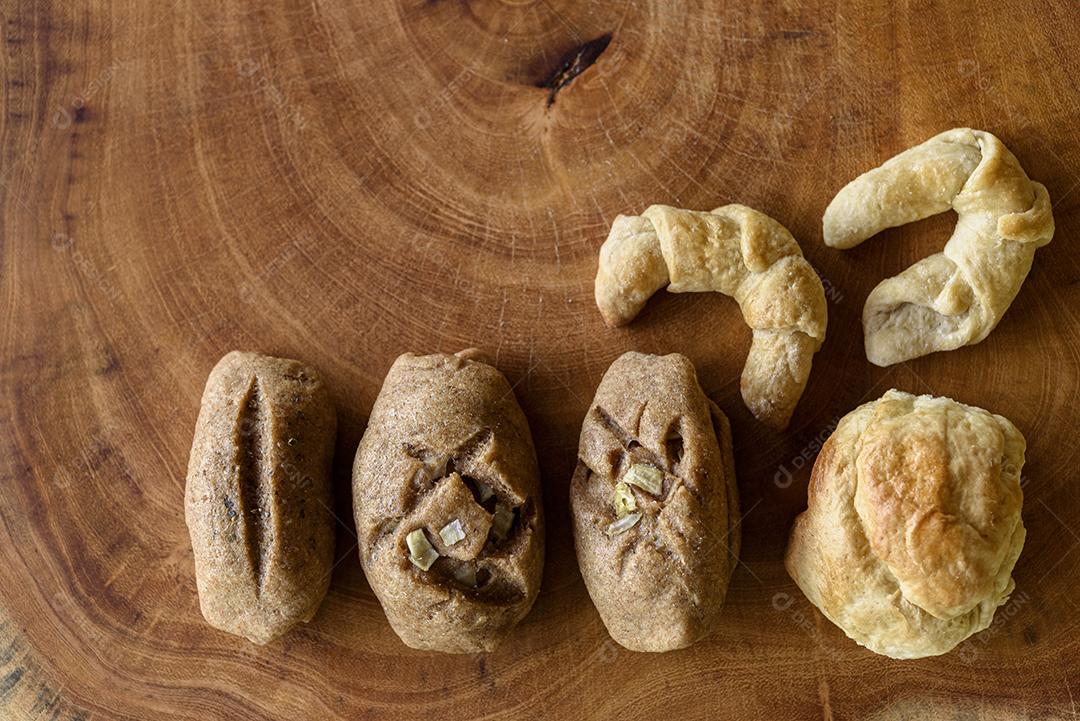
pixel 736 251
pixel 956 297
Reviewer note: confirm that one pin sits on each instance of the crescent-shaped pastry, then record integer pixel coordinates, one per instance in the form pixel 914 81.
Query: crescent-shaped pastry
pixel 913 525
pixel 736 251
pixel 956 297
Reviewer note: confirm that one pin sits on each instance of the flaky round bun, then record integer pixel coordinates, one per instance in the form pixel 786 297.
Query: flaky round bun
pixel 913 525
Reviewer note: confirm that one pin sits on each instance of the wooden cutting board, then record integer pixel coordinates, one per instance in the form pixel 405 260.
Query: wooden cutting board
pixel 342 181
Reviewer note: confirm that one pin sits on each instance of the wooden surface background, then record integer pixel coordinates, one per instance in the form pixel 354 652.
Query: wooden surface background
pixel 341 181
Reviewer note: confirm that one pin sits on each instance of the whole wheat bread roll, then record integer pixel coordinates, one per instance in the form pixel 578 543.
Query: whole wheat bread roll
pixel 258 502
pixel 654 503
pixel 446 494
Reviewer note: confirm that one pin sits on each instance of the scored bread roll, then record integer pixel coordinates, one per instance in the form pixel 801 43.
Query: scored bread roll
pixel 257 501
pixel 446 494
pixel 654 504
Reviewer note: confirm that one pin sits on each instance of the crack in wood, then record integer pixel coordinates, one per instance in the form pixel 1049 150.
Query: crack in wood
pixel 573 64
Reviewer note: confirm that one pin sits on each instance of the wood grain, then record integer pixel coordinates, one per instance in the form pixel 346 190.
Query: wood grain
pixel 343 181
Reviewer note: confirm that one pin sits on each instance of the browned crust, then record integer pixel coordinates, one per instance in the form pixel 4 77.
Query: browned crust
pixel 913 524
pixel 437 416
pixel 660 585
pixel 258 495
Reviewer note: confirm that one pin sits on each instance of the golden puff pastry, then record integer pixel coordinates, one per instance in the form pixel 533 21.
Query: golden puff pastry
pixel 736 251
pixel 956 297
pixel 913 525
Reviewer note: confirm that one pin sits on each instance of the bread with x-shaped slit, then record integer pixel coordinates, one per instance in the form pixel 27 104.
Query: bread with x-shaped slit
pixel 654 503
pixel 446 494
